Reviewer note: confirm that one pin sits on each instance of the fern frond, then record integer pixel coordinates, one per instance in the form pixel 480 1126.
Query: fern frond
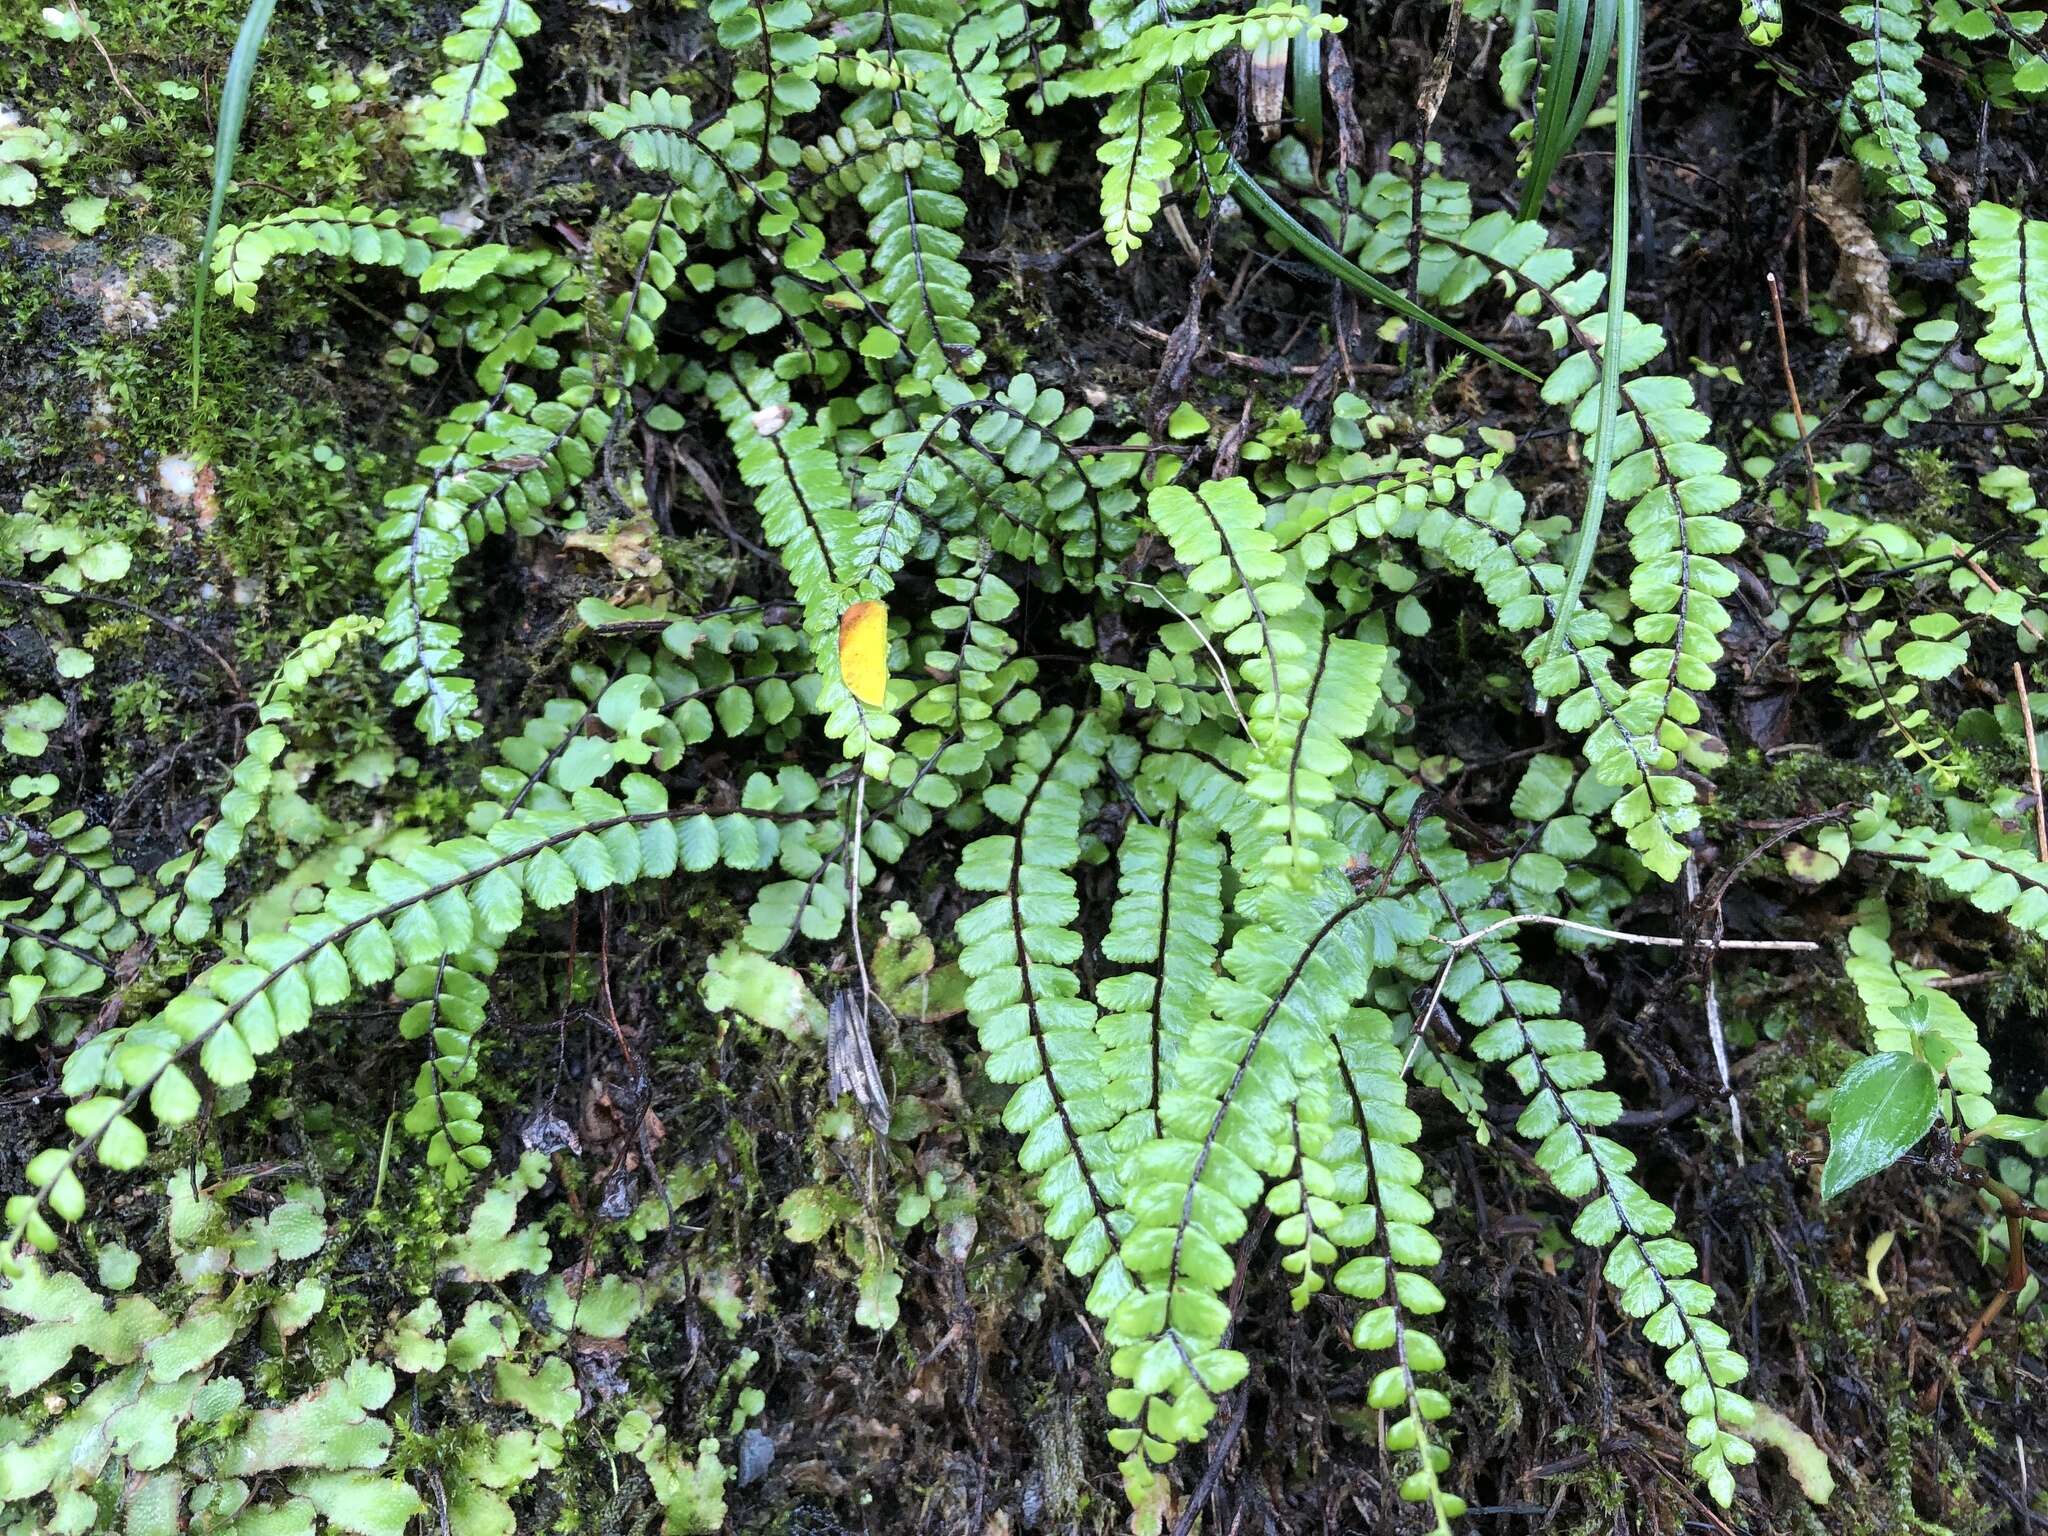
pixel 1290 974
pixel 1880 113
pixel 914 220
pixel 367 237
pixel 188 915
pixel 442 899
pixel 82 908
pixel 1904 1008
pixel 1924 379
pixel 1018 949
pixel 2007 881
pixel 446 1003
pixel 497 465
pixel 1376 1186
pixel 472 96
pixel 1648 1270
pixel 1166 925
pixel 1144 124
pixel 2009 260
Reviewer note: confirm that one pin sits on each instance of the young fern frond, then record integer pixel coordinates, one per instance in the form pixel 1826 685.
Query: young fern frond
pixel 1145 125
pixel 497 465
pixel 1925 378
pixel 365 236
pixel 439 901
pixel 1384 1211
pixel 83 907
pixel 2009 260
pixel 474 94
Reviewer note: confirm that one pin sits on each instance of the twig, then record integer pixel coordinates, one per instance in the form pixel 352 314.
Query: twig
pixel 148 613
pixel 1792 389
pixel 1715 1033
pixel 1662 941
pixel 2019 676
pixel 1222 672
pixel 1991 582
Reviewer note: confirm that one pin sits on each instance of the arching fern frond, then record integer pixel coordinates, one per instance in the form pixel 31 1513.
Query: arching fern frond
pixel 439 901
pixel 367 237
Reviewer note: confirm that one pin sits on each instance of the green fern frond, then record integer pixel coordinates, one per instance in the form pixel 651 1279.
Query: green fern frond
pixel 2009 260
pixel 1880 114
pixel 474 94
pixel 1377 1189
pixel 188 915
pixel 1018 949
pixel 1289 975
pixel 1166 925
pixel 497 465
pixel 440 901
pixel 1924 379
pixel 367 237
pixel 1144 126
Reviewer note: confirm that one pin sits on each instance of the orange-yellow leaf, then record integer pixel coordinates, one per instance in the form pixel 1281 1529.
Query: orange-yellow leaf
pixel 864 652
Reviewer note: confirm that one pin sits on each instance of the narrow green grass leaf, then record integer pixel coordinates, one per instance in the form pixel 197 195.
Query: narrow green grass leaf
pixel 1631 32
pixel 1305 80
pixel 1258 201
pixel 227 137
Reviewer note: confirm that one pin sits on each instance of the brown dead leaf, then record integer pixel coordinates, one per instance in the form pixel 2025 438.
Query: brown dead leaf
pixel 1863 277
pixel 628 547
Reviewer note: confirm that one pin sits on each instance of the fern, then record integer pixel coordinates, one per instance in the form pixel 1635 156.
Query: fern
pixel 189 914
pixel 1924 380
pixel 367 237
pixel 474 94
pixel 497 466
pixel 1993 875
pixel 1017 949
pixel 1224 1127
pixel 1141 73
pixel 1903 1010
pixel 2009 260
pixel 441 900
pixel 1144 125
pixel 64 937
pixel 1880 114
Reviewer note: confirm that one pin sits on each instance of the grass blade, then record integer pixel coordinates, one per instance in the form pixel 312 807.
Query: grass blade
pixel 1305 80
pixel 1306 243
pixel 1570 90
pixel 1631 27
pixel 227 137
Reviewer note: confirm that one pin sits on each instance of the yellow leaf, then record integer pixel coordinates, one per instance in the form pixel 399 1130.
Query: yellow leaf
pixel 864 652
pixel 1803 1455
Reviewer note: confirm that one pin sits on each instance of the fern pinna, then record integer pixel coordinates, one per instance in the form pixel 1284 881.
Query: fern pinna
pixel 1155 702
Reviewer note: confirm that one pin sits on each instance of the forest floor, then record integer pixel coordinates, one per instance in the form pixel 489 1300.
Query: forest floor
pixel 250 522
